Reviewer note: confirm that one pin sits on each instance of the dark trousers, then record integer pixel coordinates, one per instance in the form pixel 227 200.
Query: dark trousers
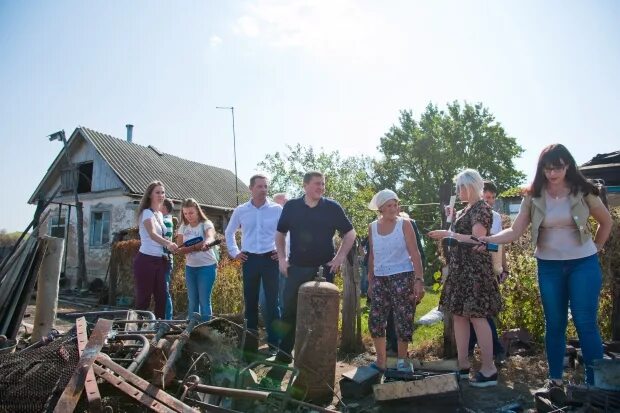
pixel 256 269
pixel 296 277
pixel 149 274
pixel 497 345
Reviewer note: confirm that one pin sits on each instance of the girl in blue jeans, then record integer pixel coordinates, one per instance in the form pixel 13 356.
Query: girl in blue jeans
pixel 557 205
pixel 201 262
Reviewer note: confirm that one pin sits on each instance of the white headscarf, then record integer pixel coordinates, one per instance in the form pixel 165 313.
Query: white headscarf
pixel 381 198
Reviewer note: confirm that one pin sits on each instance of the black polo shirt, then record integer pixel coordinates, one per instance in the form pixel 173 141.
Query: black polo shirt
pixel 312 230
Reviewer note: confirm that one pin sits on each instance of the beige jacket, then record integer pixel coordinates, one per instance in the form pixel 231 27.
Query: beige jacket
pixel 580 206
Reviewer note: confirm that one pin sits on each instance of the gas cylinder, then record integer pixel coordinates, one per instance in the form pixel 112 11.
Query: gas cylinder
pixel 316 338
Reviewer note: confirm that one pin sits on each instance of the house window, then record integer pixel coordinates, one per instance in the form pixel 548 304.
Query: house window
pixel 99 228
pixel 85 177
pixel 57 227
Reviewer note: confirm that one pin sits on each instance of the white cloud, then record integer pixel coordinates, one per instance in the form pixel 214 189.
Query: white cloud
pixel 215 41
pixel 336 28
pixel 246 26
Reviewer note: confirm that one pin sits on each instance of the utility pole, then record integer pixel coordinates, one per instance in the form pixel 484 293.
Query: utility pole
pixel 232 111
pixel 81 270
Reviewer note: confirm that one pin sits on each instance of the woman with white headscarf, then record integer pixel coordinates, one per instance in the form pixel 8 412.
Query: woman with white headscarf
pixel 395 277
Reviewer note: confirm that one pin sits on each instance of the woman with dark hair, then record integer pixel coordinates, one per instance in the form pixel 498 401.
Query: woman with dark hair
pixel 557 205
pixel 151 261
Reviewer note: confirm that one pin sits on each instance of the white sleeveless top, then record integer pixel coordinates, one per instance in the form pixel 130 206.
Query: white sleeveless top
pixel 390 251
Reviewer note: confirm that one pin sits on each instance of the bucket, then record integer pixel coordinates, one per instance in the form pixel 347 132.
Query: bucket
pixel 606 374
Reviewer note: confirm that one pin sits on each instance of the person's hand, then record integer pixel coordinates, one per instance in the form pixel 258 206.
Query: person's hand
pixel 418 291
pixel 439 234
pixel 274 255
pixel 283 267
pixel 172 247
pixel 449 211
pixel 335 263
pixel 369 291
pixel 242 256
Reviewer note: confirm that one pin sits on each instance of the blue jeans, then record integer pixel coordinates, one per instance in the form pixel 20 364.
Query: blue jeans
pixel 200 282
pixel 296 277
pixel 262 299
pixel 363 279
pixel 168 275
pixel 576 283
pixel 263 269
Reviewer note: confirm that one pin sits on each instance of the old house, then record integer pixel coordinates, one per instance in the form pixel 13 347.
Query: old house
pixel 605 168
pixel 112 174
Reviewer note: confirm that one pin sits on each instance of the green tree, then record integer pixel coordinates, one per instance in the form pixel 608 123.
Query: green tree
pixel 347 180
pixel 420 156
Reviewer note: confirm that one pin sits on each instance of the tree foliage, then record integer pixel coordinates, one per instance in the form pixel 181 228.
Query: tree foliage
pixel 420 156
pixel 347 180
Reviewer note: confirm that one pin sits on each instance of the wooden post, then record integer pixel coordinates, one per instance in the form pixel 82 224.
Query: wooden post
pixel 351 338
pixel 47 289
pixel 113 265
pixel 449 342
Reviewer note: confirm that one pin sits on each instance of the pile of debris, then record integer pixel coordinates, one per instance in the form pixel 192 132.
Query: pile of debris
pixel 126 361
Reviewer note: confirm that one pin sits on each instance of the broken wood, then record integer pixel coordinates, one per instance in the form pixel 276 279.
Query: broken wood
pixel 70 396
pixel 138 388
pixel 450 365
pixel 92 390
pixel 48 280
pixel 441 384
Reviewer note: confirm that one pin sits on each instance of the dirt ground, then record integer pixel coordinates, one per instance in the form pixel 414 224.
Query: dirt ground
pixel 519 377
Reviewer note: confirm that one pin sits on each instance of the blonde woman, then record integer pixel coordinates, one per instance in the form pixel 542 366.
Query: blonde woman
pixel 471 290
pixel 201 262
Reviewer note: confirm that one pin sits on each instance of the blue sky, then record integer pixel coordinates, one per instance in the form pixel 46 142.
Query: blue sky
pixel 332 74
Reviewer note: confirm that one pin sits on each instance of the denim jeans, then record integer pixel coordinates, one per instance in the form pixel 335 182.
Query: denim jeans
pixel 576 283
pixel 200 282
pixel 168 275
pixel 263 269
pixel 363 279
pixel 262 299
pixel 296 277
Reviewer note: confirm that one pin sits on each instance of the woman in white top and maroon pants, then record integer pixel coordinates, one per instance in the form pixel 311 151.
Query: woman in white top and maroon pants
pixel 393 284
pixel 150 263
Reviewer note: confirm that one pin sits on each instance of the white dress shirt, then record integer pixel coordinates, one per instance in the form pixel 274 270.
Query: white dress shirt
pixel 258 228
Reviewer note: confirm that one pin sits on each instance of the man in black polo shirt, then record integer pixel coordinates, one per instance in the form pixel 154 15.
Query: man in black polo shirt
pixel 312 221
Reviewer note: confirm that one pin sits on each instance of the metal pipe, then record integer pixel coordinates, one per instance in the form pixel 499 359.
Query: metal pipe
pixel 149 314
pixel 142 355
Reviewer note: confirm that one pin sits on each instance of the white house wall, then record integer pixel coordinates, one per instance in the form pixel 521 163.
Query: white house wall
pixel 122 216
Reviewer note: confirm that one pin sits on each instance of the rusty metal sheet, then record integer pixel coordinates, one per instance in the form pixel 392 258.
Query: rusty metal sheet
pixel 92 390
pixel 70 396
pixel 136 385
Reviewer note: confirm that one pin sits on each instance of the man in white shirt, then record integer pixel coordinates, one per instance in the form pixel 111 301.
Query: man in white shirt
pixel 257 219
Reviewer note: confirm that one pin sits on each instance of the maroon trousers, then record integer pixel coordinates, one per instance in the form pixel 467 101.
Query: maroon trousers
pixel 149 274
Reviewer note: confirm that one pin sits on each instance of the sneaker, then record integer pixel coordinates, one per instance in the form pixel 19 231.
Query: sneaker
pixel 404 367
pixel 464 373
pixel 480 380
pixel 552 391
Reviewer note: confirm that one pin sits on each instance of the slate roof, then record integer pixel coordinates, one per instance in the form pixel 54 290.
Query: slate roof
pixel 604 159
pixel 137 166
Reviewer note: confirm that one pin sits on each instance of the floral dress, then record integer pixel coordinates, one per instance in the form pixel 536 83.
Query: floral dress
pixel 471 288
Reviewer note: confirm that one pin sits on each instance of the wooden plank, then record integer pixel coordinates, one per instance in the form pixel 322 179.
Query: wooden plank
pixel 450 365
pixel 92 390
pixel 444 383
pixel 70 396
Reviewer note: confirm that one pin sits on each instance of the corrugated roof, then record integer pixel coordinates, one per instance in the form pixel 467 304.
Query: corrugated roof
pixel 138 165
